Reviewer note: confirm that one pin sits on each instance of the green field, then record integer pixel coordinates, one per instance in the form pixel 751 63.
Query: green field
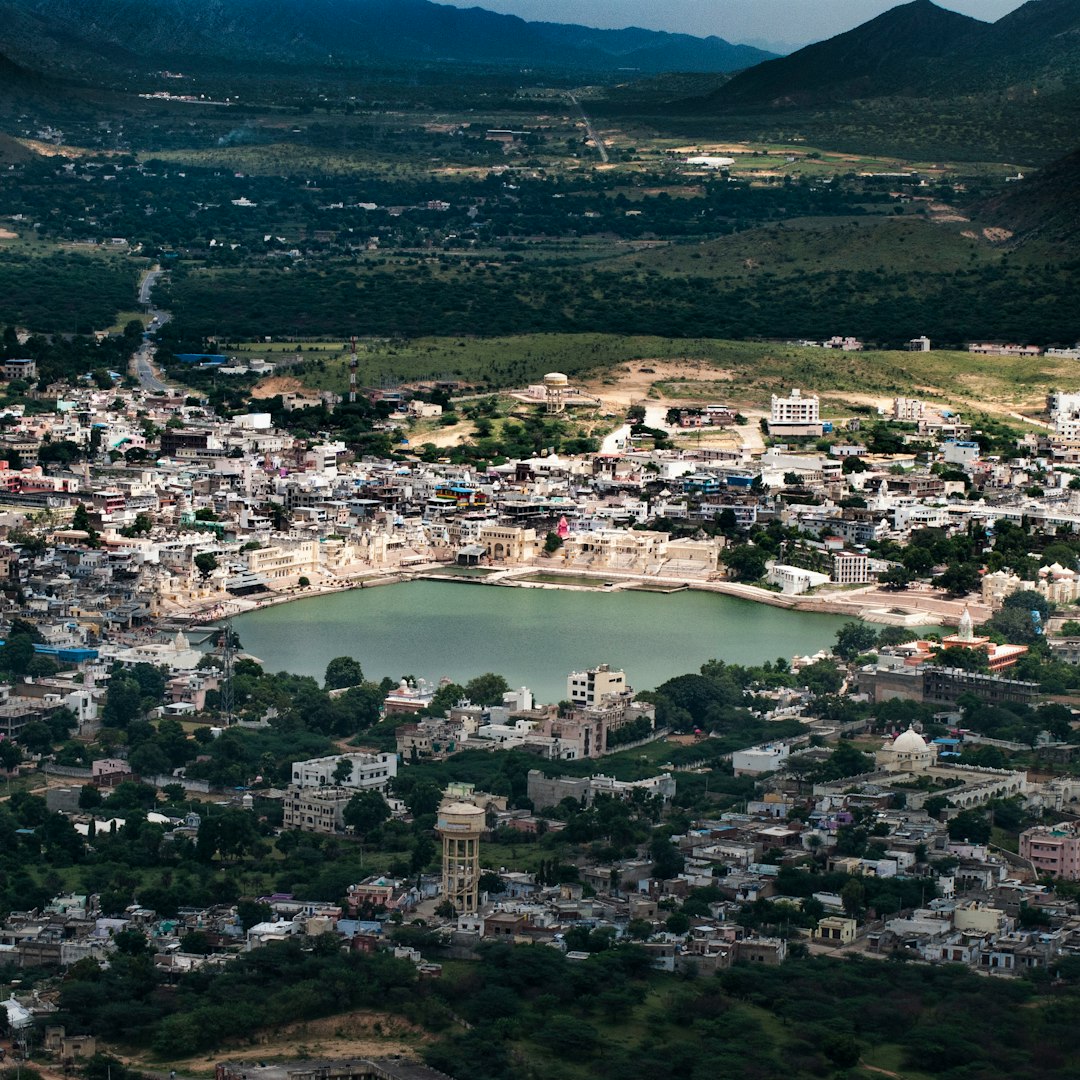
pixel 746 371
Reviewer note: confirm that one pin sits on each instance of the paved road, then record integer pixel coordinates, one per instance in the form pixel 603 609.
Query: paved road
pixel 141 366
pixel 590 130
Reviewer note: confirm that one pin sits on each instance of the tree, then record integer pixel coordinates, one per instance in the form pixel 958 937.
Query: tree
pixel 487 689
pixel 17 655
pixel 365 811
pixel 821 677
pixel 206 563
pixel 853 638
pixel 552 542
pixel 341 672
pixel 958 579
pixel 745 561
pixel 123 702
pixel 81 519
pixel 343 770
pixel 852 896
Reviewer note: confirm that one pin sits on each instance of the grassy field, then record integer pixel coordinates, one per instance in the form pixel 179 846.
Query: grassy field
pixel 746 371
pixel 858 244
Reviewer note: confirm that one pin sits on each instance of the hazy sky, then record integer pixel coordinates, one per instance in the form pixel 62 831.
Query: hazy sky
pixel 792 21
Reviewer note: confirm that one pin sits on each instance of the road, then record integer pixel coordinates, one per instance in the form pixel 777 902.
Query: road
pixel 590 130
pixel 141 365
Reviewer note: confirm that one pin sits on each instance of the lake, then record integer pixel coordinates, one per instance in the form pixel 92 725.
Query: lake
pixel 533 637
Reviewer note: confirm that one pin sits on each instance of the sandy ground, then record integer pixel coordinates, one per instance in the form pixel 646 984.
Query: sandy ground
pixel 7 234
pixel 360 1034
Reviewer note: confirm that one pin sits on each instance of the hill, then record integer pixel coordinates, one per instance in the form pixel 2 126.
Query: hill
pixel 919 50
pixel 1045 206
pixel 885 56
pixel 75 34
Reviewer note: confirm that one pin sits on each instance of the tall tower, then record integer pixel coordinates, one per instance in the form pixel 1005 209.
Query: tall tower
pixel 556 385
pixel 460 825
pixel 353 363
pixel 228 641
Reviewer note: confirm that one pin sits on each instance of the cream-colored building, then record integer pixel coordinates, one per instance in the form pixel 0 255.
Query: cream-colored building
pixel 278 561
pixel 508 543
pixel 836 930
pixel 908 752
pixel 461 825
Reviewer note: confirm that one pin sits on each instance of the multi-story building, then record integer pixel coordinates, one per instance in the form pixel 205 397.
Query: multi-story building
pixel 1053 849
pixel 589 688
pixel 795 414
pixel 368 771
pixel 318 810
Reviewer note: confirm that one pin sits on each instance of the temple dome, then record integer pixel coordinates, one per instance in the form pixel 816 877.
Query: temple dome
pixel 909 742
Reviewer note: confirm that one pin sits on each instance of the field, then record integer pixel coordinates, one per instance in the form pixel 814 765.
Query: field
pixel 622 369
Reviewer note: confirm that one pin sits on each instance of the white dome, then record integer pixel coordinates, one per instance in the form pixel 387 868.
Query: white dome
pixel 909 742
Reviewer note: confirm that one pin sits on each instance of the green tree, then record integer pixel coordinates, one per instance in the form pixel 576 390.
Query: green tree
pixel 487 689
pixel 853 897
pixel 341 672
pixel 552 542
pixel 745 561
pixel 206 563
pixel 365 811
pixel 854 638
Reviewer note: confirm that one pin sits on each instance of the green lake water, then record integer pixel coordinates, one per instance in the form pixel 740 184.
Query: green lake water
pixel 534 637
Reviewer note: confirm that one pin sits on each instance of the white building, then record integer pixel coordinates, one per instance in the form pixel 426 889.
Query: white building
pixel 795 414
pixel 585 689
pixel 759 759
pixel 368 771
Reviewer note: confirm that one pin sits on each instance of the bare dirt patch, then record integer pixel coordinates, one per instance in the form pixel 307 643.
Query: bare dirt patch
pixel 634 381
pixel 7 234
pixel 360 1034
pixel 278 384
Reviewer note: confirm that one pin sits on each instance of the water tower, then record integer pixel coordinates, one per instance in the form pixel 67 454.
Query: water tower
pixel 555 387
pixel 460 825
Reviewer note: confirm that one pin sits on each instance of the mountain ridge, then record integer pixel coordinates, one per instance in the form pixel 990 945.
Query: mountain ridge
pixel 917 49
pixel 71 32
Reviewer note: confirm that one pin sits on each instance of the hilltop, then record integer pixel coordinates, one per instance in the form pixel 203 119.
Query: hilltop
pixel 883 56
pixel 918 50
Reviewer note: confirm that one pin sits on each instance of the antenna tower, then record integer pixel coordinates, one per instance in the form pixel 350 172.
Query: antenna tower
pixel 353 363
pixel 227 640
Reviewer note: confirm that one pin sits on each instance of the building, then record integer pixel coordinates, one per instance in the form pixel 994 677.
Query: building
pixel 19 369
pixel 908 752
pixel 1053 849
pixel 544 791
pixel 851 568
pixel 795 415
pixel 368 771
pixel 460 825
pixel 318 810
pixel 836 930
pixel 592 687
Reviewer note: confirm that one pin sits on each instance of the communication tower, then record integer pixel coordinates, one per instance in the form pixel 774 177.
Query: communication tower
pixel 353 364
pixel 228 640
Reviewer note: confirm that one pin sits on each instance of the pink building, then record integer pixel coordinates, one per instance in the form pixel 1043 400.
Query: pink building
pixel 1053 850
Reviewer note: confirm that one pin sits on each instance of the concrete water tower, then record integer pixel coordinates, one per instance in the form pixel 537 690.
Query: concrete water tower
pixel 460 825
pixel 555 387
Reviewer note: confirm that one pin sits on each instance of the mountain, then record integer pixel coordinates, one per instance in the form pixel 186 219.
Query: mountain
pixel 72 34
pixel 881 57
pixel 1045 206
pixel 1038 42
pixel 919 50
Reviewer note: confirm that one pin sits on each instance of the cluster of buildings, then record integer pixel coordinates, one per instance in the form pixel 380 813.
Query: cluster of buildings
pixel 596 715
